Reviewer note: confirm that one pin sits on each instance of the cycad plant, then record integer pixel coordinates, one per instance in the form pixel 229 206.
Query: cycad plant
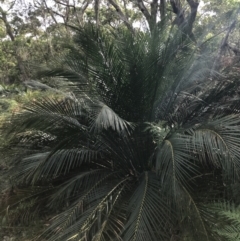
pixel 144 151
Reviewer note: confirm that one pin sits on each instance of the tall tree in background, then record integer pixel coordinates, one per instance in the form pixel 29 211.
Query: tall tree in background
pixel 27 39
pixel 32 32
pixel 152 12
pixel 10 33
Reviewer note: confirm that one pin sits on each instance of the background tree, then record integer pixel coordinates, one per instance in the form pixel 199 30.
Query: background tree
pixel 27 40
pixel 32 32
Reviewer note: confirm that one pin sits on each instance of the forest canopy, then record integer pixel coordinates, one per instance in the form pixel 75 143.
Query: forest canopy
pixel 32 32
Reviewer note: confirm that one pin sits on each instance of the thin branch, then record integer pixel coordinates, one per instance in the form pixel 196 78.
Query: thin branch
pixel 121 14
pixel 125 8
pixel 85 5
pixel 222 47
pixel 194 6
pixel 11 6
pixel 235 50
pixel 50 12
pixel 58 14
pixel 175 8
pixel 82 10
pixel 65 4
pixel 186 23
pixel 96 8
pixel 154 8
pixel 7 25
pixel 162 8
pixel 144 10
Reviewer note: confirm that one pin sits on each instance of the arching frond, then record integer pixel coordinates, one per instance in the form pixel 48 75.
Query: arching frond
pixel 174 160
pixel 216 143
pixel 89 212
pixel 105 118
pixel 148 211
pixel 113 173
pixel 223 218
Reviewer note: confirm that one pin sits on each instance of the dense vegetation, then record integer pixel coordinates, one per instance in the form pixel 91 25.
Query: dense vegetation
pixel 136 133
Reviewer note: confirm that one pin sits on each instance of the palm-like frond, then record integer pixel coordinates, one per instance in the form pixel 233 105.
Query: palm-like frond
pixel 216 143
pixel 173 163
pixel 105 118
pixel 231 212
pixel 142 151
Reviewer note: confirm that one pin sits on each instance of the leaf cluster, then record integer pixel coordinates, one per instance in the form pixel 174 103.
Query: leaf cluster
pixel 147 146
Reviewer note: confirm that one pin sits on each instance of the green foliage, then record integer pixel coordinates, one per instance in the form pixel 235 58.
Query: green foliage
pixel 26 41
pixel 230 211
pixel 217 6
pixel 141 153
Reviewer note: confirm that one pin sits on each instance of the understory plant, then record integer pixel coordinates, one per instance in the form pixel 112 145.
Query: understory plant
pixel 146 150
